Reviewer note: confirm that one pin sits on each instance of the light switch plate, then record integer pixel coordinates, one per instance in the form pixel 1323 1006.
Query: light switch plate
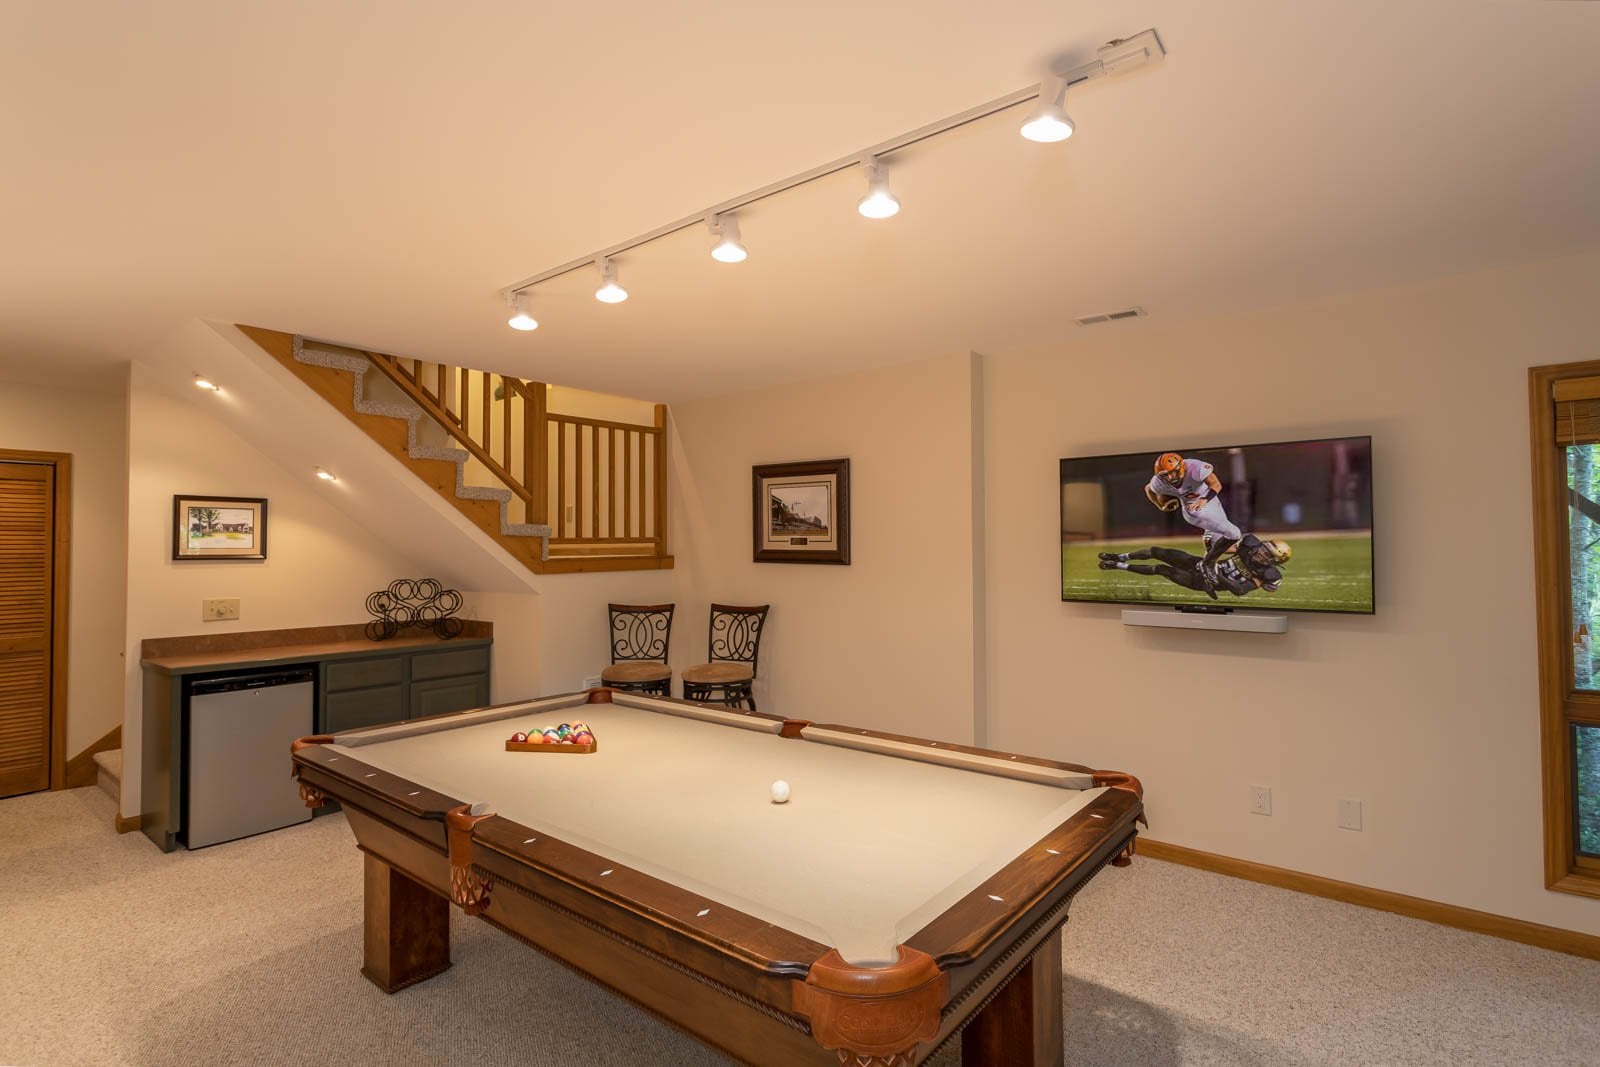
pixel 219 609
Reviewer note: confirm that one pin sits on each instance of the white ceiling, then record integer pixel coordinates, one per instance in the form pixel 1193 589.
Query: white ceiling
pixel 374 173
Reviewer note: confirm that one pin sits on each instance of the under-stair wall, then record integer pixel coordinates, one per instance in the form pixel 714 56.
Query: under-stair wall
pixel 560 491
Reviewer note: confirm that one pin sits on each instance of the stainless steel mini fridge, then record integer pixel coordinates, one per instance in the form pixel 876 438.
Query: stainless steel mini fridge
pixel 240 728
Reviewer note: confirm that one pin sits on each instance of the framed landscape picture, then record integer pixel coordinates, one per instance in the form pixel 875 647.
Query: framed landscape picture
pixel 219 527
pixel 802 512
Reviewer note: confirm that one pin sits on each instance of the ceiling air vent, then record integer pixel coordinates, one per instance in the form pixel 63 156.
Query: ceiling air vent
pixel 1111 316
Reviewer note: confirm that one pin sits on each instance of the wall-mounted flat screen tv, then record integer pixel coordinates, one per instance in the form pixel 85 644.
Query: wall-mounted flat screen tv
pixel 1280 527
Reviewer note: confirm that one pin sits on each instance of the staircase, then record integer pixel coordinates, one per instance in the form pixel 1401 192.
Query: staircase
pixel 487 443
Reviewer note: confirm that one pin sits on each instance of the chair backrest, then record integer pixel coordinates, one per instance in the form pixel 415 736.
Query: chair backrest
pixel 640 631
pixel 735 635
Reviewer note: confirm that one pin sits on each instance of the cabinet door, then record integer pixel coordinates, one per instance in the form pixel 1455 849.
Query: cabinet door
pixel 363 707
pixel 440 695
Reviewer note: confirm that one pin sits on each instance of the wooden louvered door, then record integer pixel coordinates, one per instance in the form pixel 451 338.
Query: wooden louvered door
pixel 27 568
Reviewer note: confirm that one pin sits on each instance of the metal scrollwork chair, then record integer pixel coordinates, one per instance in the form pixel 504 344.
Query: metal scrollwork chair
pixel 640 637
pixel 734 644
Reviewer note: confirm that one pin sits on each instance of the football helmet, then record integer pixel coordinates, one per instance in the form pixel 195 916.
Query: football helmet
pixel 1169 465
pixel 1279 550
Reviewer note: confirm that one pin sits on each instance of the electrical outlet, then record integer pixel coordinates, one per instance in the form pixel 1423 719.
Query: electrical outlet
pixel 1349 814
pixel 1261 799
pixel 219 609
pixel 591 683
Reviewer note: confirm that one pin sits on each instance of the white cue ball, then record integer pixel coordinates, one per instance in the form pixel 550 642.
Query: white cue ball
pixel 780 792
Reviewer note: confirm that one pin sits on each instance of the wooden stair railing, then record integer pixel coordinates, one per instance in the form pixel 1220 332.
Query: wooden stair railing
pixel 600 484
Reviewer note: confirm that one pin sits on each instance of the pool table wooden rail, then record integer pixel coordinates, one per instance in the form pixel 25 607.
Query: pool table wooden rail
pixel 752 989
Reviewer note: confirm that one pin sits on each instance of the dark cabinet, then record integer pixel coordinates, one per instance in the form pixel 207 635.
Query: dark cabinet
pixel 367 691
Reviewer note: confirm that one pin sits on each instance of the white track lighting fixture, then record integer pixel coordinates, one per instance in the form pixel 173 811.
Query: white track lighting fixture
pixel 879 203
pixel 202 382
pixel 609 292
pixel 326 475
pixel 1048 122
pixel 520 319
pixel 728 249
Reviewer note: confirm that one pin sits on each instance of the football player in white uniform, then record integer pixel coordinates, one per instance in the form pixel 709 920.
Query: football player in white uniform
pixel 1193 486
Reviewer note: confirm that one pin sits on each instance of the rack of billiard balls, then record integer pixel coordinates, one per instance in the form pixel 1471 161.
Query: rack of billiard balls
pixel 568 737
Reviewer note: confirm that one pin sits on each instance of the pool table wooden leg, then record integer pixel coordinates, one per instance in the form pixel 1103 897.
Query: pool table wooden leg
pixel 407 934
pixel 1022 1026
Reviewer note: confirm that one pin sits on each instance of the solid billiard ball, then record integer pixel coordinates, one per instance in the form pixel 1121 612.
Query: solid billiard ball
pixel 780 792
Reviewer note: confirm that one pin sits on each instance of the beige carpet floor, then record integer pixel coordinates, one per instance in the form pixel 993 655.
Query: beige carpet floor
pixel 247 953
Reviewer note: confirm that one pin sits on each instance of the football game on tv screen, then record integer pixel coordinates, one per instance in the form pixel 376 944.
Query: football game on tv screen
pixel 1279 527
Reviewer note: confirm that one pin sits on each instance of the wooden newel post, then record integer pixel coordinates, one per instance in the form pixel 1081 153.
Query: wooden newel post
pixel 535 453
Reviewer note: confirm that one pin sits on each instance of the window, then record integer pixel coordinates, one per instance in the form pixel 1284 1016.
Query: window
pixel 1565 415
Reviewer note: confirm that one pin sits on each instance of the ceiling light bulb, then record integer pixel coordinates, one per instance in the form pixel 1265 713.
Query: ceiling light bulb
pixel 201 381
pixel 609 292
pixel 879 203
pixel 728 248
pixel 326 476
pixel 520 319
pixel 1049 122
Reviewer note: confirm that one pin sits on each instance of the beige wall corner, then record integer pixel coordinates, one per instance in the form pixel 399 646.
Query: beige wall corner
pixel 887 641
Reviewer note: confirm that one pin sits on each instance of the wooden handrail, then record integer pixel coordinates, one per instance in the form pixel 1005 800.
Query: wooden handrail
pixel 615 485
pixel 453 426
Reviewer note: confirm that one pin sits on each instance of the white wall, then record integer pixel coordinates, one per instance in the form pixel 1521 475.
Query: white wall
pixel 887 641
pixel 1428 711
pixel 89 425
pixel 320 564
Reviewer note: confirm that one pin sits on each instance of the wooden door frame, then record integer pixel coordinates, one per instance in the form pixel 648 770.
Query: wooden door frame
pixel 61 555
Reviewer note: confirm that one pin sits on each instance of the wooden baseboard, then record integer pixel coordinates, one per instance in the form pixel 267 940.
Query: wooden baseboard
pixel 1480 922
pixel 81 770
pixel 128 824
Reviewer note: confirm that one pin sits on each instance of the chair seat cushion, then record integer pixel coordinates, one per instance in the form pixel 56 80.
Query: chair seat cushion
pixel 636 671
pixel 718 673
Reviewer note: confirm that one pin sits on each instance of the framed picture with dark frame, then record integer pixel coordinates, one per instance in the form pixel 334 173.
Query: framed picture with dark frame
pixel 802 512
pixel 218 527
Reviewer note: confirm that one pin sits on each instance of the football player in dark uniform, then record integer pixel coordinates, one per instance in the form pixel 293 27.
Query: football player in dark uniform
pixel 1252 564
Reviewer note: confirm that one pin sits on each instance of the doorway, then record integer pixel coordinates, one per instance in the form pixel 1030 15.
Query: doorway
pixel 35 520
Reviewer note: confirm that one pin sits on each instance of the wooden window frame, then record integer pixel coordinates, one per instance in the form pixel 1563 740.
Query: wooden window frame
pixel 1560 705
pixel 61 553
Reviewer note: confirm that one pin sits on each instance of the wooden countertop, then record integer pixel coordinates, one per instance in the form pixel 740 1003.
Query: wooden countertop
pixel 266 648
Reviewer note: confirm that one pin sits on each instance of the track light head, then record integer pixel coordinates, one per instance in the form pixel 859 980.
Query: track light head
pixel 728 248
pixel 879 203
pixel 202 382
pixel 326 475
pixel 609 292
pixel 520 319
pixel 1050 122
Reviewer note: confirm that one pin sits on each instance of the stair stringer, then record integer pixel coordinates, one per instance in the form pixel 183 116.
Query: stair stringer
pixel 324 354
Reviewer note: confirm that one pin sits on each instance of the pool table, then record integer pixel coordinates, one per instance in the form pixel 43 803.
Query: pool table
pixel 908 891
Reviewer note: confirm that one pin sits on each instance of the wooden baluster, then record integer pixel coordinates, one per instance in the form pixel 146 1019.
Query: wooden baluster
pixel 594 496
pixel 438 381
pixel 577 479
pixel 488 398
pixel 561 477
pixel 505 426
pixel 661 480
pixel 627 483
